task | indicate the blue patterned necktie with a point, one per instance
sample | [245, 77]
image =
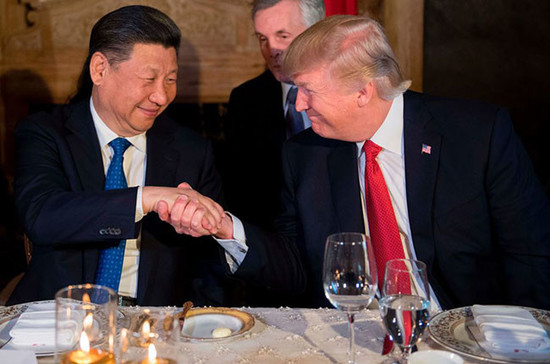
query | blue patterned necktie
[294, 120]
[110, 260]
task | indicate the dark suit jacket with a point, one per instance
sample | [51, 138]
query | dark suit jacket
[251, 164]
[478, 216]
[60, 199]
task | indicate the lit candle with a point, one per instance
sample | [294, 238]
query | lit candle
[152, 357]
[87, 355]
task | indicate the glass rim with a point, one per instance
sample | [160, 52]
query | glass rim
[340, 236]
[84, 287]
[420, 265]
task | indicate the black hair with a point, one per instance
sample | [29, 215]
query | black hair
[116, 33]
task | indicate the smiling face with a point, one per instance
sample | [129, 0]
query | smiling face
[129, 95]
[275, 28]
[332, 108]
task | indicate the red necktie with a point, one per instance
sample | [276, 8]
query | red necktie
[384, 233]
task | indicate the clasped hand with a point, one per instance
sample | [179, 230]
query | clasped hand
[186, 210]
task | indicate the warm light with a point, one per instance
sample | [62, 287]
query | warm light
[145, 330]
[84, 342]
[86, 298]
[88, 321]
[152, 353]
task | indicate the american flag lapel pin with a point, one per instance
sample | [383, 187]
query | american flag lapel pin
[426, 149]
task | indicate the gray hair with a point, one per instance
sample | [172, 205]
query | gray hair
[312, 10]
[354, 48]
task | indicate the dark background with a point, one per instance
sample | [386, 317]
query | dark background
[497, 51]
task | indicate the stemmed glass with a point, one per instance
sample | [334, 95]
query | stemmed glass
[349, 276]
[405, 303]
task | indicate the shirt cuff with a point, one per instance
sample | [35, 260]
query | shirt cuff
[139, 205]
[236, 248]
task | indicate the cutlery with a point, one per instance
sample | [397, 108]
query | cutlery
[180, 316]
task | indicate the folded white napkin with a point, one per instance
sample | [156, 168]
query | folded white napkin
[35, 329]
[510, 329]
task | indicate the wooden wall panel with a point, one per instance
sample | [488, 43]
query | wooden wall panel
[43, 44]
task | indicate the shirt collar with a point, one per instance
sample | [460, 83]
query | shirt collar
[106, 135]
[389, 135]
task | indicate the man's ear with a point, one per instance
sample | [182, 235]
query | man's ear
[365, 94]
[99, 64]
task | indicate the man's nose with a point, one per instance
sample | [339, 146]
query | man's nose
[159, 95]
[275, 52]
[301, 101]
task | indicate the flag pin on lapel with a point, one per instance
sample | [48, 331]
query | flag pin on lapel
[426, 149]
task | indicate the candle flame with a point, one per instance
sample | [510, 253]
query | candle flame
[145, 329]
[88, 321]
[86, 298]
[84, 342]
[152, 353]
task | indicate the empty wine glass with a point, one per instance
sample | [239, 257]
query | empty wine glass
[349, 276]
[405, 303]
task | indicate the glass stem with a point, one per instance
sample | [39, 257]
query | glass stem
[406, 351]
[351, 320]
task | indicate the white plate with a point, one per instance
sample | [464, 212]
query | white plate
[435, 356]
[200, 323]
[451, 329]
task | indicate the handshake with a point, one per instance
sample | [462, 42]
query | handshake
[188, 211]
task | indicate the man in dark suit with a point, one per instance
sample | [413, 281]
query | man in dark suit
[461, 190]
[128, 80]
[255, 125]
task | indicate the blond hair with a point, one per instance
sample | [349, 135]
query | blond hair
[355, 51]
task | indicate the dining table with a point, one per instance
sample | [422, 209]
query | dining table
[290, 335]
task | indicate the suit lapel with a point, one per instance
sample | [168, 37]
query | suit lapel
[85, 149]
[421, 166]
[345, 190]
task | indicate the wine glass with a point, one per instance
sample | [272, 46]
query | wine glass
[405, 303]
[349, 276]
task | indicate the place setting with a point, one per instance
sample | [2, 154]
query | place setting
[84, 325]
[494, 333]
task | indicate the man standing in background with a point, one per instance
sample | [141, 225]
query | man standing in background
[261, 115]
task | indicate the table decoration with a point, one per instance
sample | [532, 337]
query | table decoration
[85, 325]
[151, 337]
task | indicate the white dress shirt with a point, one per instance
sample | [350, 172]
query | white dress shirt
[391, 160]
[135, 159]
[392, 163]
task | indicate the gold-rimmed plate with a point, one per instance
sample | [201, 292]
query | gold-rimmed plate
[454, 328]
[204, 324]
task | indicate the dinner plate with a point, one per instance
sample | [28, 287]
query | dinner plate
[435, 356]
[200, 323]
[452, 329]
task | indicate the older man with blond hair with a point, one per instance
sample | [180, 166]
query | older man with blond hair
[445, 181]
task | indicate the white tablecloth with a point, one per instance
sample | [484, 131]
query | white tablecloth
[289, 335]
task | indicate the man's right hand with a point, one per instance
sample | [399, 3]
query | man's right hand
[185, 209]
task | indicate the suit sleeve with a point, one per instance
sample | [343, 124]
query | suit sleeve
[520, 215]
[50, 199]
